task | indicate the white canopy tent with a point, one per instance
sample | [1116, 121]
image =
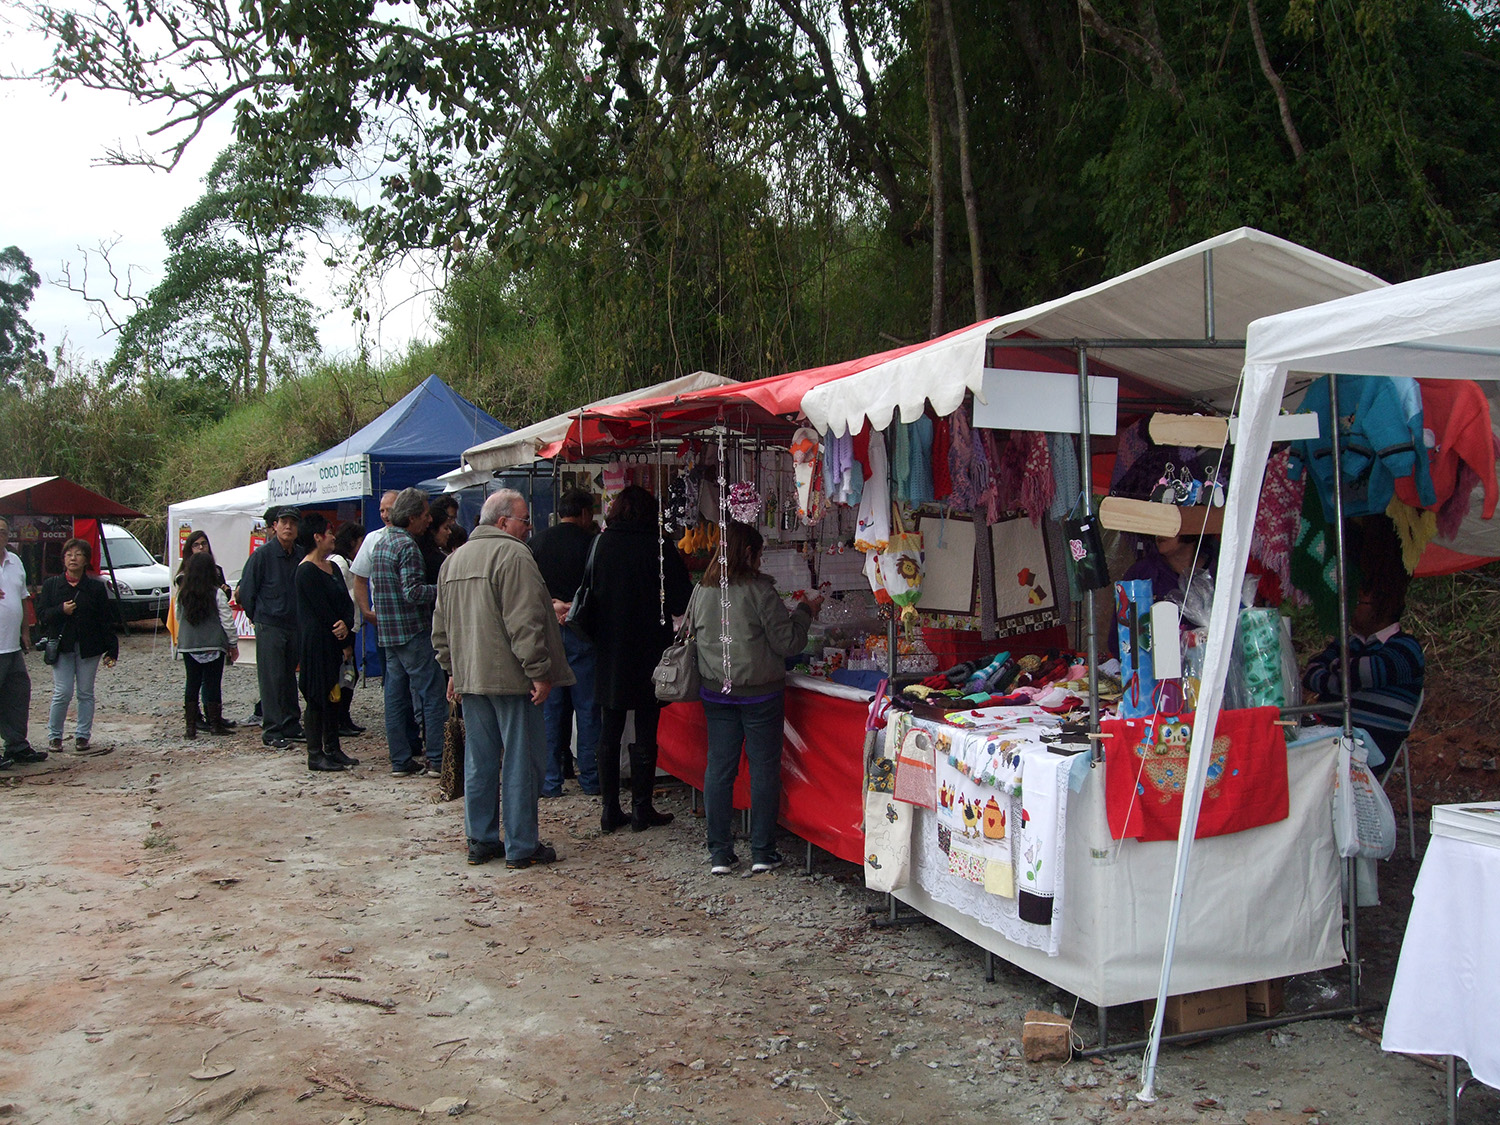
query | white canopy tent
[523, 446]
[1441, 327]
[227, 517]
[1254, 275]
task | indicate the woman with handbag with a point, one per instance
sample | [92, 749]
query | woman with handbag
[206, 637]
[325, 619]
[637, 584]
[74, 608]
[743, 692]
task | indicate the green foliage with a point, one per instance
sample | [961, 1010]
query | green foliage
[20, 344]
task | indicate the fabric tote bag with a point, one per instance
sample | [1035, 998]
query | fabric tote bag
[916, 773]
[452, 773]
[888, 822]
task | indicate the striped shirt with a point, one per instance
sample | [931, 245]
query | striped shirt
[1385, 683]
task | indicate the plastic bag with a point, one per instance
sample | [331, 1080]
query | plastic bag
[1364, 824]
[1258, 655]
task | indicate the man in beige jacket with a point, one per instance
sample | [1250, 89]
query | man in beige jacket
[495, 633]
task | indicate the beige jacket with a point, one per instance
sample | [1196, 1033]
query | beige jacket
[493, 625]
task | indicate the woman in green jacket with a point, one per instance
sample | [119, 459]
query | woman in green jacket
[742, 699]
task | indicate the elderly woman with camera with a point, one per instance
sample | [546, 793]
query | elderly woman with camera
[75, 613]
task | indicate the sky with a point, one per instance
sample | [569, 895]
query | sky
[58, 196]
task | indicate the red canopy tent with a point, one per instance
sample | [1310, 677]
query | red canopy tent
[57, 496]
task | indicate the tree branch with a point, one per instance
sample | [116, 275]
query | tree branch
[1277, 88]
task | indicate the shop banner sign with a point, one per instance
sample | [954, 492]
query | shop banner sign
[338, 479]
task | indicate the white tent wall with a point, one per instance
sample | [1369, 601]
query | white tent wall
[1441, 327]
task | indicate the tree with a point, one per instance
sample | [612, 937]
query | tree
[226, 319]
[20, 344]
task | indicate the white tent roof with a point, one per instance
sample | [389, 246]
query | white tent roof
[227, 517]
[1254, 275]
[520, 447]
[1441, 327]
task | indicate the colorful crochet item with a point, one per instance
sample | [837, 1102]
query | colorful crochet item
[1278, 518]
[807, 470]
[744, 503]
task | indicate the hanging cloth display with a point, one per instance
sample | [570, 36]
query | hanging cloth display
[1066, 481]
[1414, 528]
[1277, 518]
[901, 569]
[807, 469]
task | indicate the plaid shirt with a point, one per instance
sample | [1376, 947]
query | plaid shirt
[401, 600]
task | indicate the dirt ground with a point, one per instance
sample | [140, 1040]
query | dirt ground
[318, 941]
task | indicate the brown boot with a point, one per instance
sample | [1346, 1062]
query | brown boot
[215, 723]
[191, 718]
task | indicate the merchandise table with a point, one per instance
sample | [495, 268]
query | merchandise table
[822, 761]
[1445, 999]
[1259, 904]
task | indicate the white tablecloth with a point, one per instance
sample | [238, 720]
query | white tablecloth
[1446, 996]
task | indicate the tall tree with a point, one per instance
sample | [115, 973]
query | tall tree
[20, 344]
[227, 315]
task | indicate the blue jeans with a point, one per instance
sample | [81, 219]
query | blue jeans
[562, 704]
[414, 686]
[503, 761]
[755, 727]
[70, 670]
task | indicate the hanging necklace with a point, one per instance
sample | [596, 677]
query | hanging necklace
[661, 531]
[723, 564]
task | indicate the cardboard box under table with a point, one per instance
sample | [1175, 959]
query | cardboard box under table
[1259, 904]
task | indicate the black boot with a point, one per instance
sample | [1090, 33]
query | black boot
[642, 785]
[317, 760]
[335, 752]
[612, 816]
[191, 718]
[215, 723]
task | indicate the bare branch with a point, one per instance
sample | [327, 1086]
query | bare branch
[121, 289]
[1287, 125]
[1147, 49]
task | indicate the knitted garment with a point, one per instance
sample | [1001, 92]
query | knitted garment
[1011, 473]
[901, 461]
[1414, 528]
[1313, 562]
[987, 451]
[1067, 484]
[1037, 488]
[942, 480]
[918, 460]
[1278, 518]
[1131, 444]
[1456, 508]
[966, 462]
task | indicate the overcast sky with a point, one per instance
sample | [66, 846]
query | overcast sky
[57, 195]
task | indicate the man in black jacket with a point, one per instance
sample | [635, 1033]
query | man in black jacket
[561, 553]
[268, 596]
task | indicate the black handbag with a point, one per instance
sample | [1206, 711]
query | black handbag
[583, 617]
[51, 649]
[1087, 565]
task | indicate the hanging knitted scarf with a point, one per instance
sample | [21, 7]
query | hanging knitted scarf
[1414, 528]
[1278, 518]
[1066, 481]
[987, 453]
[1036, 476]
[1313, 562]
[966, 467]
[942, 479]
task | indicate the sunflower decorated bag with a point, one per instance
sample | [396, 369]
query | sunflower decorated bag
[901, 569]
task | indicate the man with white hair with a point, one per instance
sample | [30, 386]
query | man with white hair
[495, 632]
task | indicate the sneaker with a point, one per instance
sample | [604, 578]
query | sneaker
[482, 853]
[767, 863]
[545, 853]
[80, 745]
[551, 796]
[724, 864]
[55, 745]
[26, 755]
[431, 771]
[410, 769]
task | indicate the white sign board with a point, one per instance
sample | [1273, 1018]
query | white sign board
[1010, 399]
[343, 478]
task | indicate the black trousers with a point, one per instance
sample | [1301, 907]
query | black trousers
[276, 669]
[205, 678]
[15, 700]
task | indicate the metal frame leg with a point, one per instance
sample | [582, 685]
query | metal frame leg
[808, 866]
[1451, 1070]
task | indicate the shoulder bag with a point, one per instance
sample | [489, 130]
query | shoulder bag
[583, 617]
[51, 647]
[676, 677]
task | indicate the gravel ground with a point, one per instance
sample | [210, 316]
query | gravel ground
[171, 908]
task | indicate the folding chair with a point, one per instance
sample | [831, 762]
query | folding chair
[1403, 763]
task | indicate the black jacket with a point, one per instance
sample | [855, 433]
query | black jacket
[91, 625]
[630, 637]
[561, 553]
[268, 585]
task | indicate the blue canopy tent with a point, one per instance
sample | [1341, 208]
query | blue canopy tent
[417, 439]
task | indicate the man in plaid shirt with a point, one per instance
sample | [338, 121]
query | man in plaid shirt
[403, 607]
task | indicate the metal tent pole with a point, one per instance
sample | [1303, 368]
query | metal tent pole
[1086, 458]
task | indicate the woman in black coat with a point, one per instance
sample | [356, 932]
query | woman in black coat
[325, 631]
[75, 607]
[626, 589]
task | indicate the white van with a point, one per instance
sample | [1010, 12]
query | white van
[143, 583]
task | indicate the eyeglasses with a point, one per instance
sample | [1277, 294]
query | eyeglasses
[519, 519]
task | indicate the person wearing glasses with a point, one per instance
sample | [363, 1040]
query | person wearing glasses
[496, 634]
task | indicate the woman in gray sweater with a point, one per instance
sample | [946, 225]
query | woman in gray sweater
[742, 700]
[206, 637]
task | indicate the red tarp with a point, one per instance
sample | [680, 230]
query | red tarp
[56, 496]
[822, 766]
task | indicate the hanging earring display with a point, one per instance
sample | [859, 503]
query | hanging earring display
[661, 532]
[723, 565]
